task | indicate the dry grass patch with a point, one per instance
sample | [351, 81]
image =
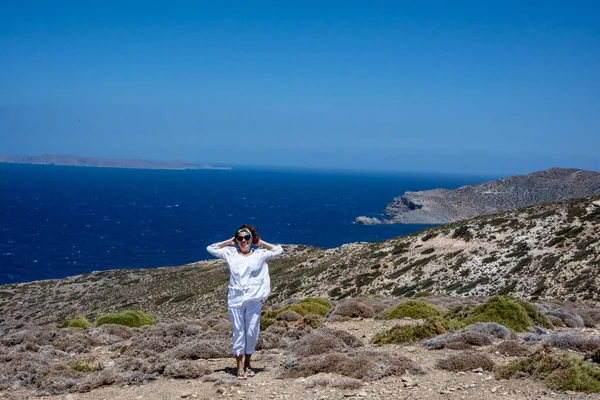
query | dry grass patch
[511, 348]
[466, 361]
[368, 366]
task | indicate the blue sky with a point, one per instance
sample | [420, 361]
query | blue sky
[497, 87]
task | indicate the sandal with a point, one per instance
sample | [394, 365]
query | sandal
[241, 375]
[248, 372]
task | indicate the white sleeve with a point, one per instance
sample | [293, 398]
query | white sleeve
[275, 252]
[220, 252]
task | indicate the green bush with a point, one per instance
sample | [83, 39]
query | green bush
[130, 318]
[310, 305]
[77, 322]
[560, 372]
[414, 309]
[537, 318]
[411, 333]
[503, 310]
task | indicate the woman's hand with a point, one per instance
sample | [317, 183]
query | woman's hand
[228, 242]
[265, 245]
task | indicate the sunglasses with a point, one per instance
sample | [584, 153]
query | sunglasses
[240, 238]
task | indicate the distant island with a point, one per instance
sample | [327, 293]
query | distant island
[442, 206]
[75, 161]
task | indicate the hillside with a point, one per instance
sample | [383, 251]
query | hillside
[441, 206]
[546, 251]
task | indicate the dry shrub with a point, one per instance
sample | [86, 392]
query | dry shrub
[556, 321]
[569, 319]
[493, 329]
[573, 341]
[344, 383]
[458, 346]
[185, 370]
[213, 320]
[339, 318]
[201, 349]
[281, 337]
[313, 320]
[458, 341]
[466, 361]
[348, 338]
[289, 316]
[360, 307]
[96, 380]
[112, 331]
[589, 318]
[318, 342]
[352, 308]
[222, 379]
[318, 382]
[511, 348]
[368, 366]
[563, 340]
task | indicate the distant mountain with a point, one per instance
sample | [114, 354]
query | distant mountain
[76, 161]
[549, 251]
[440, 206]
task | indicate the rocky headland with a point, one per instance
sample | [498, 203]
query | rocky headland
[76, 161]
[442, 206]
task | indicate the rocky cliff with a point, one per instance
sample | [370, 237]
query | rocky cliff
[441, 206]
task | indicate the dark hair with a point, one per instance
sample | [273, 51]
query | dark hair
[252, 230]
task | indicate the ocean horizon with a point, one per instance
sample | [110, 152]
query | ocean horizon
[59, 221]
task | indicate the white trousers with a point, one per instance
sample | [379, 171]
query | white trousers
[246, 326]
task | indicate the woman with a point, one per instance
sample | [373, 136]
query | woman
[249, 285]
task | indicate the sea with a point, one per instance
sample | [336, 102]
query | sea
[59, 221]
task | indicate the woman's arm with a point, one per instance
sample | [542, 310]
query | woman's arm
[273, 250]
[218, 249]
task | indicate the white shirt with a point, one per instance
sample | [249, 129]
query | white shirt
[248, 275]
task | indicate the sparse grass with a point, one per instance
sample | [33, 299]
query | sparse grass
[130, 318]
[77, 322]
[83, 366]
[414, 309]
[411, 333]
[311, 305]
[560, 372]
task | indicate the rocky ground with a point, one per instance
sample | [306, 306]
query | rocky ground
[266, 385]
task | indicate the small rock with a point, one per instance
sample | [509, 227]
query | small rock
[478, 369]
[494, 389]
[221, 390]
[461, 373]
[69, 397]
[185, 395]
[362, 394]
[444, 391]
[410, 349]
[406, 379]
